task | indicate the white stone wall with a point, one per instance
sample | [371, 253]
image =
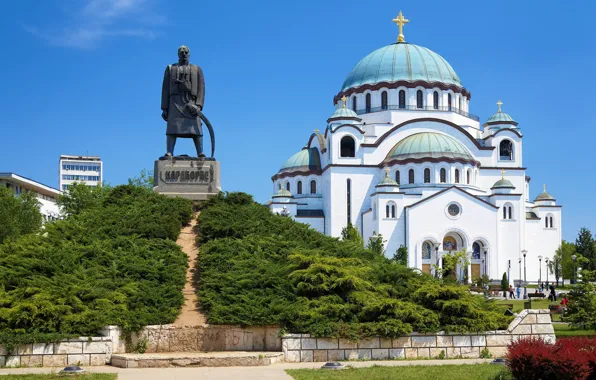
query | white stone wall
[304, 348]
[81, 351]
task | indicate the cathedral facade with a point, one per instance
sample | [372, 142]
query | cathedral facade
[402, 157]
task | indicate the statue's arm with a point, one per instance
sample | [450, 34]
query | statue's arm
[165, 90]
[201, 88]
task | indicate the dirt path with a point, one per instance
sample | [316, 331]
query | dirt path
[190, 315]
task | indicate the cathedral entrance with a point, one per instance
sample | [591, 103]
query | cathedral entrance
[454, 242]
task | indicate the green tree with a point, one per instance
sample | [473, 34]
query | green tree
[451, 262]
[555, 266]
[376, 245]
[350, 233]
[401, 255]
[80, 197]
[145, 179]
[586, 247]
[564, 253]
[19, 214]
[581, 310]
[504, 284]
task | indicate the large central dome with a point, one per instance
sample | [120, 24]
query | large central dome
[430, 145]
[402, 62]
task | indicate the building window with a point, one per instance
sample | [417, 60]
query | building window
[506, 150]
[449, 101]
[419, 100]
[468, 177]
[347, 147]
[436, 100]
[402, 99]
[354, 103]
[411, 176]
[427, 175]
[349, 200]
[508, 211]
[443, 175]
[453, 209]
[393, 213]
[548, 221]
[368, 106]
[390, 210]
[313, 187]
[426, 251]
[397, 177]
[475, 251]
[456, 175]
[279, 186]
[387, 209]
[299, 187]
[288, 186]
[384, 100]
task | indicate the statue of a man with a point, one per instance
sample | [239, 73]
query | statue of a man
[182, 96]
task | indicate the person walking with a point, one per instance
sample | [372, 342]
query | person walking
[553, 294]
[518, 291]
[511, 294]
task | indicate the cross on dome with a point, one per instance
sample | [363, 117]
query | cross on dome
[386, 172]
[502, 173]
[400, 20]
[499, 104]
[344, 100]
[317, 130]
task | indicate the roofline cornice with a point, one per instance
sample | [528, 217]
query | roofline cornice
[402, 83]
[504, 130]
[489, 123]
[430, 159]
[343, 118]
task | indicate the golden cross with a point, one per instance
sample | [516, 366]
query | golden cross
[400, 21]
[344, 100]
[545, 187]
[386, 172]
[502, 173]
[499, 103]
[317, 130]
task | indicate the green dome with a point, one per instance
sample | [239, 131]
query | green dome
[501, 118]
[305, 160]
[282, 193]
[503, 184]
[387, 181]
[544, 196]
[343, 113]
[401, 62]
[429, 145]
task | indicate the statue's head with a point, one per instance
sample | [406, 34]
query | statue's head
[183, 53]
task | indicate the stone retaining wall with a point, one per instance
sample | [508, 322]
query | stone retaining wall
[80, 351]
[304, 348]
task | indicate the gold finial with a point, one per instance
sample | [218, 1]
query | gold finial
[386, 172]
[499, 103]
[502, 173]
[400, 21]
[317, 130]
[343, 101]
[545, 187]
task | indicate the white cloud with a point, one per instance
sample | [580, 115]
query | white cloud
[101, 19]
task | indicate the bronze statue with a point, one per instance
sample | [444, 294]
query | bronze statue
[182, 96]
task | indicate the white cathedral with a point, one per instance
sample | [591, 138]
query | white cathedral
[403, 157]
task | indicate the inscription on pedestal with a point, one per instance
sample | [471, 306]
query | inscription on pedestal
[192, 178]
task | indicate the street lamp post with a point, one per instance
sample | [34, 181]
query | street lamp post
[524, 252]
[539, 270]
[574, 258]
[519, 284]
[546, 260]
[438, 261]
[509, 272]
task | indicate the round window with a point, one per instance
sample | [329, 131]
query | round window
[453, 210]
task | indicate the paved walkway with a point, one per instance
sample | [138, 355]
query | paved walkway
[272, 372]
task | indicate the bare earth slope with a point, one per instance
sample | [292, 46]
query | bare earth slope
[190, 315]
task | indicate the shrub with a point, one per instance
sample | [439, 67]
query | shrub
[568, 359]
[256, 268]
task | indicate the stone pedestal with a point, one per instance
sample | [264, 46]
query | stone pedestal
[187, 177]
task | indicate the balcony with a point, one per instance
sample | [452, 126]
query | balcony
[414, 108]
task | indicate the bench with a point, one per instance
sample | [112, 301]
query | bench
[536, 295]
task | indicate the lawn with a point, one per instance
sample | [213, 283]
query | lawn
[566, 330]
[90, 376]
[443, 372]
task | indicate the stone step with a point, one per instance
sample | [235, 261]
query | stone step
[196, 359]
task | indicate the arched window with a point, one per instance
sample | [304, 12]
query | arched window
[393, 213]
[397, 177]
[476, 251]
[436, 100]
[548, 221]
[347, 147]
[387, 211]
[368, 107]
[279, 186]
[551, 222]
[390, 210]
[426, 251]
[427, 175]
[506, 150]
[468, 174]
[508, 211]
[349, 200]
[456, 175]
[299, 187]
[354, 103]
[313, 186]
[411, 176]
[384, 100]
[449, 101]
[288, 186]
[419, 100]
[443, 175]
[402, 99]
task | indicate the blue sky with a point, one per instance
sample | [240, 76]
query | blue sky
[84, 77]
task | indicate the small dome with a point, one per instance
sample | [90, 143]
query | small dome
[503, 184]
[500, 117]
[282, 193]
[544, 196]
[305, 160]
[430, 145]
[401, 61]
[343, 113]
[387, 181]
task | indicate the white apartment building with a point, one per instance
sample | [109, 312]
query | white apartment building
[46, 195]
[82, 169]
